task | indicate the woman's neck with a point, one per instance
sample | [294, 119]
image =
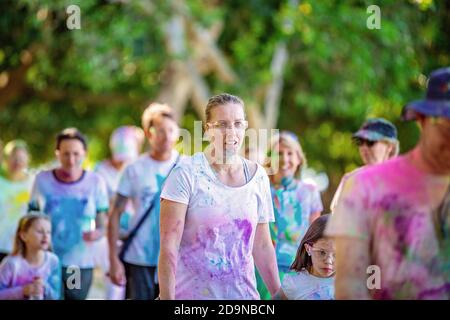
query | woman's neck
[224, 165]
[69, 175]
[35, 257]
[279, 181]
[16, 176]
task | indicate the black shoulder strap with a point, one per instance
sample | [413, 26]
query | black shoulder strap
[127, 242]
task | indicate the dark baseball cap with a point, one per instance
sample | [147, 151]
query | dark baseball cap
[437, 100]
[376, 129]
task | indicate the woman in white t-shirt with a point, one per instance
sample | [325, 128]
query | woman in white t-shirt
[215, 211]
[15, 187]
[313, 269]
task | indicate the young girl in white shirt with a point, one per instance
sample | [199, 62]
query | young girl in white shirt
[31, 272]
[312, 276]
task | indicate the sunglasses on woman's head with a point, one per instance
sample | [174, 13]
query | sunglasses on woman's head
[360, 142]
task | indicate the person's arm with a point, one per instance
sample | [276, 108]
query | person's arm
[336, 196]
[172, 220]
[352, 260]
[6, 275]
[102, 204]
[18, 292]
[279, 295]
[100, 223]
[265, 258]
[117, 271]
[350, 226]
[35, 195]
[100, 228]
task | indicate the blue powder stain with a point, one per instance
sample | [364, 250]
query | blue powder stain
[67, 220]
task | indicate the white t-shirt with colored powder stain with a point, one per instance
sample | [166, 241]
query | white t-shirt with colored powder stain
[72, 208]
[16, 272]
[141, 181]
[112, 178]
[293, 208]
[304, 286]
[14, 196]
[389, 206]
[215, 257]
[110, 174]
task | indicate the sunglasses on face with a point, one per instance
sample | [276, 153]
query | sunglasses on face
[360, 142]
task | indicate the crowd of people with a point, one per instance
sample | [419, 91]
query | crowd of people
[217, 225]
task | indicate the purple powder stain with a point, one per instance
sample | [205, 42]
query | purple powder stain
[219, 253]
[401, 225]
[246, 228]
[389, 202]
[409, 229]
[435, 293]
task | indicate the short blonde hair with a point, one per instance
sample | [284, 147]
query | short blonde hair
[14, 145]
[290, 140]
[153, 111]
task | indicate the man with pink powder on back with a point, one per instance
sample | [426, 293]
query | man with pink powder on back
[395, 216]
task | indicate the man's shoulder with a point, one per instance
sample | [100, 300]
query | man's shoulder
[92, 176]
[42, 177]
[137, 165]
[379, 172]
[44, 174]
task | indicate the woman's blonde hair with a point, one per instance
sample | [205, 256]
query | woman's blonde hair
[14, 145]
[395, 148]
[25, 223]
[290, 140]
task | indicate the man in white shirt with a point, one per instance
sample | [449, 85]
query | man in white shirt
[141, 182]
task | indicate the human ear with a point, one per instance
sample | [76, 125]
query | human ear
[308, 248]
[23, 236]
[421, 120]
[148, 133]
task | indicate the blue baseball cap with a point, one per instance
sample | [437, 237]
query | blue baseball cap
[376, 129]
[437, 100]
